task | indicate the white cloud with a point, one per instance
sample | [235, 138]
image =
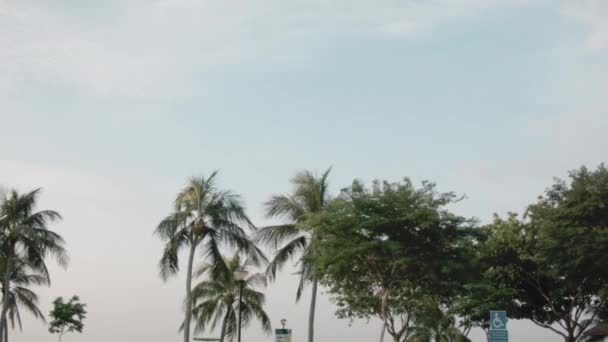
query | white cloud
[593, 14]
[58, 182]
[164, 48]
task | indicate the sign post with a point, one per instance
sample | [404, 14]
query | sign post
[283, 335]
[498, 326]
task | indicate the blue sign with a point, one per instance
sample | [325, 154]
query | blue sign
[498, 320]
[499, 336]
[498, 326]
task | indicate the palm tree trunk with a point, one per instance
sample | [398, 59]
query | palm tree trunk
[5, 295]
[311, 314]
[5, 330]
[224, 322]
[189, 290]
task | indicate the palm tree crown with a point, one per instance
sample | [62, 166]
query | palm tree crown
[19, 295]
[295, 238]
[216, 300]
[25, 242]
[433, 324]
[204, 215]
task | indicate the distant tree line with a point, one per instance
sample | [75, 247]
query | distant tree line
[392, 251]
[399, 253]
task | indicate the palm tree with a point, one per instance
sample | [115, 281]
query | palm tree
[216, 299]
[208, 217]
[295, 238]
[433, 324]
[20, 296]
[25, 240]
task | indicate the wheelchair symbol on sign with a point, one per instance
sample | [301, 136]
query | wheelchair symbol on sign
[497, 322]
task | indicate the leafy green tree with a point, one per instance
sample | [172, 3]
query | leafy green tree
[384, 248]
[19, 295]
[554, 259]
[362, 298]
[25, 239]
[475, 300]
[296, 238]
[209, 217]
[216, 300]
[67, 316]
[433, 323]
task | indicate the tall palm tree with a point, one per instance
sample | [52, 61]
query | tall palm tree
[20, 295]
[25, 239]
[208, 217]
[216, 299]
[295, 238]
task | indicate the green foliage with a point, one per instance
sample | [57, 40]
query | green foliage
[382, 249]
[554, 259]
[25, 244]
[476, 300]
[433, 323]
[67, 316]
[19, 295]
[209, 217]
[293, 240]
[480, 295]
[216, 300]
[205, 215]
[297, 238]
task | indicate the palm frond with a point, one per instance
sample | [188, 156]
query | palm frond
[273, 236]
[305, 274]
[213, 254]
[283, 205]
[223, 290]
[244, 246]
[29, 300]
[289, 251]
[168, 227]
[262, 316]
[169, 261]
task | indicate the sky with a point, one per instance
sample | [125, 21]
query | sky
[112, 105]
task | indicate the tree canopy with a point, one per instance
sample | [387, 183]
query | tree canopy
[25, 244]
[216, 300]
[383, 248]
[67, 316]
[554, 258]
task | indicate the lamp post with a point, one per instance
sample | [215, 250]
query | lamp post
[283, 323]
[240, 276]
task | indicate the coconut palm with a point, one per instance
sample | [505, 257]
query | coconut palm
[25, 240]
[20, 295]
[433, 324]
[208, 217]
[295, 238]
[216, 299]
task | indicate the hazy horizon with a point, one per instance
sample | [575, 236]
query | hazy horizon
[111, 106]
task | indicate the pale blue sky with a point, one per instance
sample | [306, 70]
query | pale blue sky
[111, 106]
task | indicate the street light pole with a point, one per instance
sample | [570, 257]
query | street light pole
[241, 277]
[240, 302]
